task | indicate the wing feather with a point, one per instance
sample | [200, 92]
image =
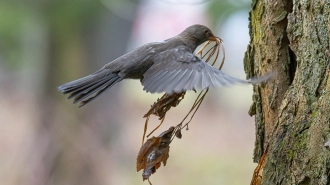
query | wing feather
[170, 88]
[155, 77]
[178, 70]
[183, 81]
[161, 86]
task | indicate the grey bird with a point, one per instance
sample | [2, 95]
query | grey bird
[169, 66]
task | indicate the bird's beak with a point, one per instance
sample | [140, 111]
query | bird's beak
[213, 38]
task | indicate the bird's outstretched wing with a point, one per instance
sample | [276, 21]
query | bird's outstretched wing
[178, 70]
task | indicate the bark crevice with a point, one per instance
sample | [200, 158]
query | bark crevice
[292, 65]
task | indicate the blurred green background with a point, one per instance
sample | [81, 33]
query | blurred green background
[45, 140]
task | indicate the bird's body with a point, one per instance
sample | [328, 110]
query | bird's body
[134, 64]
[169, 66]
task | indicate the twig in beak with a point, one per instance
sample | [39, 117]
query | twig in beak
[203, 47]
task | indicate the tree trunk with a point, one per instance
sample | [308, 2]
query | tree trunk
[292, 112]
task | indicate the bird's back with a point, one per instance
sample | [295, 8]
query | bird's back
[135, 63]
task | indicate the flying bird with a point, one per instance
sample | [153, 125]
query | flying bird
[169, 66]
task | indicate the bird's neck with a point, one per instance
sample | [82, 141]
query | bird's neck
[190, 42]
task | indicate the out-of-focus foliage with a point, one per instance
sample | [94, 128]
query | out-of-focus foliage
[220, 10]
[62, 18]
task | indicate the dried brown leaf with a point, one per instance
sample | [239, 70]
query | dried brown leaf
[154, 152]
[164, 104]
[178, 134]
[257, 174]
[160, 108]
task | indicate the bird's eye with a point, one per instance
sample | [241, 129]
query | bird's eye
[206, 31]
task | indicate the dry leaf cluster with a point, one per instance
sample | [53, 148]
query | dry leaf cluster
[153, 152]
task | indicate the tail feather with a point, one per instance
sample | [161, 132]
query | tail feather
[98, 93]
[74, 85]
[86, 93]
[85, 87]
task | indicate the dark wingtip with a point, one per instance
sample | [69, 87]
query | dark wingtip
[82, 104]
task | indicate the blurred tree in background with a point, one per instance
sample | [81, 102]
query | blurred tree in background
[42, 43]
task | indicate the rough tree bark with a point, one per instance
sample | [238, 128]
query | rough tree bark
[292, 113]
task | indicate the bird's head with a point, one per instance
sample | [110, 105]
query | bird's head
[198, 34]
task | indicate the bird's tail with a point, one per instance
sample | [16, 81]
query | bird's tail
[86, 89]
